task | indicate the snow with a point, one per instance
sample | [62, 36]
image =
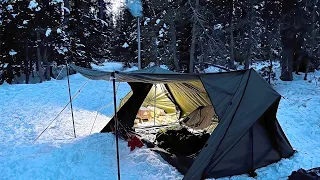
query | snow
[56, 1]
[57, 155]
[12, 52]
[26, 110]
[158, 21]
[9, 7]
[67, 10]
[164, 67]
[164, 25]
[217, 27]
[33, 4]
[80, 45]
[146, 21]
[48, 32]
[61, 50]
[125, 45]
[59, 30]
[212, 69]
[25, 21]
[161, 31]
[108, 66]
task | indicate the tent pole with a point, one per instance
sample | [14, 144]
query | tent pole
[154, 106]
[139, 43]
[70, 98]
[116, 120]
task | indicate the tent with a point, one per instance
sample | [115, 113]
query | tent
[248, 135]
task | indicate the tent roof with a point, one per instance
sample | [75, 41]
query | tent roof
[148, 75]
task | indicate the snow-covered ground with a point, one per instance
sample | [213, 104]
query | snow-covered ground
[26, 110]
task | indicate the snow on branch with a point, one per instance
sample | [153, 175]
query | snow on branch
[135, 7]
[34, 5]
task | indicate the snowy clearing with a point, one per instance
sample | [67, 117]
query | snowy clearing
[27, 109]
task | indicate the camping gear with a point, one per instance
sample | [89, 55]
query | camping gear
[134, 142]
[200, 118]
[181, 141]
[144, 113]
[301, 174]
[248, 135]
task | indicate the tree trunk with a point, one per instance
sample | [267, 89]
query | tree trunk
[231, 60]
[46, 64]
[66, 4]
[174, 41]
[101, 9]
[31, 67]
[39, 67]
[26, 61]
[193, 41]
[248, 56]
[312, 38]
[287, 59]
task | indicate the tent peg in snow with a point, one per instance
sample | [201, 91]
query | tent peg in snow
[241, 104]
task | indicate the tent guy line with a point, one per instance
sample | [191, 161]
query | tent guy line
[61, 111]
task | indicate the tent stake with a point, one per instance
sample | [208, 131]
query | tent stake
[70, 98]
[116, 120]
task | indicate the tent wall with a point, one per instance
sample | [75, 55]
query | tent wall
[128, 112]
[238, 107]
[162, 99]
[257, 148]
[189, 96]
[223, 88]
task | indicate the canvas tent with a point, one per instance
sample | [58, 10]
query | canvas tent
[248, 135]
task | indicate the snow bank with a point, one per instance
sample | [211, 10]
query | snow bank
[92, 157]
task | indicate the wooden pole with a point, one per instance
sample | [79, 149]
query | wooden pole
[116, 121]
[74, 128]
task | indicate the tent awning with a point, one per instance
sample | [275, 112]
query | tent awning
[149, 75]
